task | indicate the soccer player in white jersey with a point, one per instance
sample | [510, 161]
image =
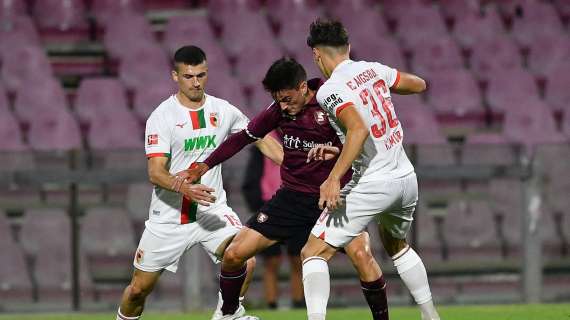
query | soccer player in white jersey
[383, 187]
[184, 129]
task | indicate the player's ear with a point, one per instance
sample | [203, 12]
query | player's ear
[174, 75]
[304, 88]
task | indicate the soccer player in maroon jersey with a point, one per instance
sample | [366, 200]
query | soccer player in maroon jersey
[293, 211]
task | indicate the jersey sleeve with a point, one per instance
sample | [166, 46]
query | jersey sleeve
[334, 99]
[390, 75]
[239, 120]
[157, 137]
[265, 122]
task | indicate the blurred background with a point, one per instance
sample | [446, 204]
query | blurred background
[489, 139]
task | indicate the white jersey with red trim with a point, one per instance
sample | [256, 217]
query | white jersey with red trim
[367, 85]
[185, 136]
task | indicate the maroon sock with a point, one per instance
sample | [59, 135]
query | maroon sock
[375, 294]
[230, 286]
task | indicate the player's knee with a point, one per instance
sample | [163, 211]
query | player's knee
[361, 256]
[136, 293]
[233, 258]
[251, 263]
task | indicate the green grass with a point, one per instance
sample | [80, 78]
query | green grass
[478, 312]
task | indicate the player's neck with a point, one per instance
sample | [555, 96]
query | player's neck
[184, 101]
[335, 61]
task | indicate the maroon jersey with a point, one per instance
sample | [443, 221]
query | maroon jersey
[300, 133]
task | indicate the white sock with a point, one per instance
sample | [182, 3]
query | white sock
[316, 284]
[120, 316]
[413, 273]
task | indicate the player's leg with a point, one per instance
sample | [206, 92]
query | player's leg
[371, 278]
[296, 281]
[245, 245]
[393, 227]
[134, 296]
[271, 262]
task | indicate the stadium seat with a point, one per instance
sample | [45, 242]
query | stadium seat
[21, 64]
[566, 125]
[563, 7]
[224, 86]
[109, 247]
[305, 58]
[427, 222]
[222, 11]
[17, 32]
[137, 203]
[418, 23]
[455, 92]
[47, 99]
[148, 98]
[10, 131]
[54, 132]
[394, 9]
[557, 93]
[104, 10]
[459, 10]
[508, 88]
[124, 33]
[547, 53]
[96, 96]
[293, 33]
[115, 131]
[488, 149]
[254, 61]
[276, 8]
[44, 229]
[15, 284]
[436, 56]
[147, 64]
[61, 20]
[13, 8]
[497, 53]
[189, 30]
[474, 27]
[260, 100]
[532, 14]
[470, 231]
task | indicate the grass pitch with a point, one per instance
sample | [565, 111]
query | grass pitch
[478, 312]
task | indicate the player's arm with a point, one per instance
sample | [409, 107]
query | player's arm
[159, 175]
[407, 83]
[356, 134]
[271, 148]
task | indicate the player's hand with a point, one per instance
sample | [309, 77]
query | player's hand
[330, 194]
[191, 175]
[198, 193]
[322, 153]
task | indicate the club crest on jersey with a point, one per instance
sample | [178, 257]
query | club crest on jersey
[320, 117]
[139, 256]
[262, 217]
[214, 119]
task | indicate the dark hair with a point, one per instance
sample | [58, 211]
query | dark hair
[285, 73]
[329, 33]
[190, 55]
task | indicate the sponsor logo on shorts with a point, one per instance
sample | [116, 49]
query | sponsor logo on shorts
[262, 217]
[139, 256]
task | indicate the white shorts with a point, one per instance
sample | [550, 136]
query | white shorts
[162, 244]
[391, 203]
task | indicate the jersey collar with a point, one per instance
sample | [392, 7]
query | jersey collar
[340, 65]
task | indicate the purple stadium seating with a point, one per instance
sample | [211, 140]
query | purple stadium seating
[293, 33]
[563, 7]
[115, 130]
[508, 88]
[459, 10]
[487, 149]
[254, 62]
[104, 10]
[222, 11]
[13, 8]
[394, 9]
[15, 284]
[124, 33]
[96, 96]
[419, 23]
[470, 231]
[436, 56]
[54, 132]
[224, 86]
[23, 64]
[11, 134]
[454, 92]
[305, 58]
[178, 29]
[276, 8]
[147, 64]
[109, 247]
[547, 53]
[533, 14]
[47, 99]
[497, 53]
[566, 124]
[426, 222]
[17, 32]
[61, 19]
[147, 98]
[474, 27]
[137, 204]
[557, 93]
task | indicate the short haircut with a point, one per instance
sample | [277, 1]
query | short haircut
[190, 55]
[285, 73]
[330, 33]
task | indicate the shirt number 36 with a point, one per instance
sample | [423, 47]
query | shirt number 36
[379, 87]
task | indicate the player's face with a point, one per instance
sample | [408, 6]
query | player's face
[292, 101]
[191, 80]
